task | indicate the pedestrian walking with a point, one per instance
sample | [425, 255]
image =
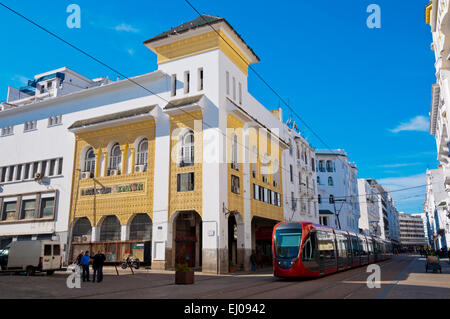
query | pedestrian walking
[85, 264]
[97, 266]
[253, 260]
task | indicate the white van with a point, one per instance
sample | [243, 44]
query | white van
[31, 256]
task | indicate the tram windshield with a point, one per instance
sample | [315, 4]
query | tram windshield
[287, 242]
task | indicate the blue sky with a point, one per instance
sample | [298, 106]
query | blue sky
[363, 90]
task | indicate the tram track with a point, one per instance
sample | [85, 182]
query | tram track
[309, 284]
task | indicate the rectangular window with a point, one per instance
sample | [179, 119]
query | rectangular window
[255, 192]
[11, 173]
[19, 172]
[240, 93]
[235, 185]
[185, 182]
[47, 250]
[187, 82]
[56, 250]
[174, 85]
[54, 120]
[60, 166]
[52, 168]
[266, 195]
[47, 207]
[43, 167]
[35, 169]
[9, 210]
[30, 126]
[200, 79]
[26, 174]
[234, 88]
[227, 82]
[28, 209]
[8, 130]
[3, 172]
[269, 196]
[291, 171]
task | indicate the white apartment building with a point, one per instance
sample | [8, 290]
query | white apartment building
[186, 167]
[300, 185]
[412, 231]
[437, 16]
[436, 209]
[337, 185]
[369, 203]
[37, 153]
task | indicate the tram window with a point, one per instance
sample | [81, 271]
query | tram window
[325, 244]
[355, 246]
[309, 248]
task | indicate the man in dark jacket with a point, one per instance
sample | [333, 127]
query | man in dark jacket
[97, 265]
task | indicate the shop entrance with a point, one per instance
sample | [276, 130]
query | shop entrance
[188, 239]
[262, 229]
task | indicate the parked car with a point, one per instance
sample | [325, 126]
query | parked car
[31, 256]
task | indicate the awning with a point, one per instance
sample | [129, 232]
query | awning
[326, 212]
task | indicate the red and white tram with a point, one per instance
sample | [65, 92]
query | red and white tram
[302, 249]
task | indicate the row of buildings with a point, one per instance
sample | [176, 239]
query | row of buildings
[179, 165]
[437, 203]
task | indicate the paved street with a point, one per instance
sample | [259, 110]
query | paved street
[402, 277]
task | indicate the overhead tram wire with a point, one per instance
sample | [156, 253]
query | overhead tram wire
[120, 73]
[263, 80]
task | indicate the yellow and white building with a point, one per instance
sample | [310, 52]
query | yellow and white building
[187, 166]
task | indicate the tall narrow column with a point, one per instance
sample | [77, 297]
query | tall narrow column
[133, 159]
[124, 158]
[98, 156]
[105, 163]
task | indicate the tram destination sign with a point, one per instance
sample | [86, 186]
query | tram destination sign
[112, 189]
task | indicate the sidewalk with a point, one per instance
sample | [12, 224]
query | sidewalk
[111, 270]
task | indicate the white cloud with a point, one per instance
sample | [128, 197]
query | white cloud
[400, 165]
[19, 78]
[419, 123]
[126, 28]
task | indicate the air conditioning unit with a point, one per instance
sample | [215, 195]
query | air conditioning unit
[76, 239]
[85, 238]
[86, 175]
[114, 172]
[38, 177]
[139, 168]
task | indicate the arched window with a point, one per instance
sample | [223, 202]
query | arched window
[82, 230]
[187, 149]
[318, 180]
[115, 158]
[141, 228]
[319, 199]
[110, 229]
[330, 181]
[234, 153]
[89, 161]
[331, 200]
[142, 154]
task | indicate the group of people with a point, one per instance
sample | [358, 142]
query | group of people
[98, 261]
